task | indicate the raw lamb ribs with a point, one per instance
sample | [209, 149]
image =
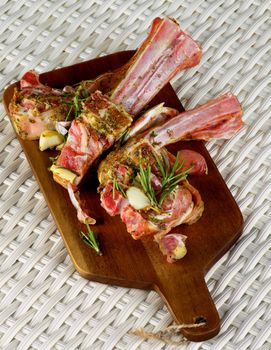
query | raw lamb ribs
[37, 107]
[105, 118]
[141, 181]
[122, 169]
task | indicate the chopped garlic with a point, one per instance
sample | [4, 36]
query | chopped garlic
[59, 147]
[173, 246]
[50, 139]
[65, 174]
[179, 252]
[137, 198]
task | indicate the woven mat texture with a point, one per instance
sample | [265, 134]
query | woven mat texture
[44, 303]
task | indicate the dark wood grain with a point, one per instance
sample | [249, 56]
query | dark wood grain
[139, 264]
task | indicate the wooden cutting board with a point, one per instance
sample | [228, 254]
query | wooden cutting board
[139, 264]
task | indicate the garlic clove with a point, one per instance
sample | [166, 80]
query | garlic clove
[50, 139]
[137, 198]
[64, 173]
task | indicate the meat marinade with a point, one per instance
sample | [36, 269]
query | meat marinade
[218, 118]
[106, 114]
[102, 112]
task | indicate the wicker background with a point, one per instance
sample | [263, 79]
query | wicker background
[44, 303]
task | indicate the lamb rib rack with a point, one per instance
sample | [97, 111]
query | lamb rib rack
[105, 118]
[36, 107]
[122, 169]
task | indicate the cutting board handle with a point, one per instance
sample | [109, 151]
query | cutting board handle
[190, 302]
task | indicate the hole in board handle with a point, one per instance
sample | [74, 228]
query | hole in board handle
[200, 319]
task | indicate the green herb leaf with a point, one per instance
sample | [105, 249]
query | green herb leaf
[76, 103]
[117, 187]
[90, 238]
[171, 177]
[69, 113]
[53, 159]
[145, 180]
[123, 138]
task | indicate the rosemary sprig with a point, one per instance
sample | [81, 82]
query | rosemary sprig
[171, 177]
[53, 159]
[90, 238]
[69, 112]
[145, 180]
[75, 104]
[117, 187]
[124, 137]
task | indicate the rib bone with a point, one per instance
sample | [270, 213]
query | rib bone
[219, 118]
[166, 51]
